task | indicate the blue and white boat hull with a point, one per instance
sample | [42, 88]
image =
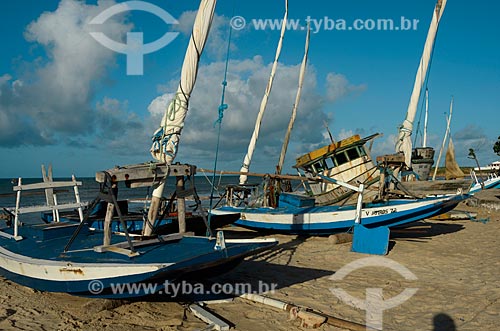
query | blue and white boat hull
[333, 219]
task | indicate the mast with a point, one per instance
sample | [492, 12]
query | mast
[424, 143]
[167, 137]
[444, 140]
[279, 167]
[255, 135]
[403, 143]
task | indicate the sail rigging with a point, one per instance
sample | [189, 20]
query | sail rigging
[404, 143]
[303, 65]
[255, 135]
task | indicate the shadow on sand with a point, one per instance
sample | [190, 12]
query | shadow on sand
[422, 232]
[257, 274]
[443, 322]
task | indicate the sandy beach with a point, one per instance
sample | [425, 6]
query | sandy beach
[456, 264]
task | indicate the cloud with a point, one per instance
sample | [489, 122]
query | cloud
[216, 46]
[53, 99]
[337, 86]
[247, 80]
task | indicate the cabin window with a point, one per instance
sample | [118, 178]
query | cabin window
[341, 158]
[362, 151]
[319, 166]
[330, 163]
[352, 153]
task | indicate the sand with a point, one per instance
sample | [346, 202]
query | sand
[456, 264]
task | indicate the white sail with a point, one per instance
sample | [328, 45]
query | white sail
[255, 135]
[404, 143]
[447, 132]
[166, 138]
[295, 105]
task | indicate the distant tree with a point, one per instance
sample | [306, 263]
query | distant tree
[496, 147]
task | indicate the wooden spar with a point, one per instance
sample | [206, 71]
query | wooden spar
[289, 177]
[263, 104]
[306, 314]
[284, 148]
[254, 174]
[448, 121]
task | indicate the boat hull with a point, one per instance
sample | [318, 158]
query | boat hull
[323, 220]
[43, 265]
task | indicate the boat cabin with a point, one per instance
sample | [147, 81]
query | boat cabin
[347, 160]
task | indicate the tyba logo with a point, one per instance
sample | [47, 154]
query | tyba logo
[134, 47]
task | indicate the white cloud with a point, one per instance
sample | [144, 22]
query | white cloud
[338, 86]
[56, 100]
[247, 80]
[216, 46]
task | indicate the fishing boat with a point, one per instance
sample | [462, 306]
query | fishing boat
[330, 205]
[71, 257]
[299, 215]
[494, 166]
[167, 222]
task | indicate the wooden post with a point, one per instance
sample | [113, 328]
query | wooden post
[56, 219]
[49, 193]
[107, 224]
[18, 202]
[381, 188]
[181, 205]
[153, 211]
[77, 197]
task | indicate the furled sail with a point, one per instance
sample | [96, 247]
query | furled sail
[166, 138]
[404, 143]
[295, 105]
[452, 170]
[255, 135]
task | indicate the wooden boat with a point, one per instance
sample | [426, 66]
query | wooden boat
[73, 258]
[40, 260]
[168, 223]
[299, 215]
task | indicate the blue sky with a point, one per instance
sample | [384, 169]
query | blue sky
[66, 100]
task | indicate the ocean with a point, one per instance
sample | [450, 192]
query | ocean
[90, 189]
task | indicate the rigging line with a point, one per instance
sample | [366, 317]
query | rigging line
[223, 106]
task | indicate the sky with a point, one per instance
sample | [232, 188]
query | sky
[67, 100]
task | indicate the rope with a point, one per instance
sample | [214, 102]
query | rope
[222, 107]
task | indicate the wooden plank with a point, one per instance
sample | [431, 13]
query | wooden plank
[38, 186]
[139, 243]
[144, 172]
[114, 249]
[208, 317]
[35, 209]
[47, 177]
